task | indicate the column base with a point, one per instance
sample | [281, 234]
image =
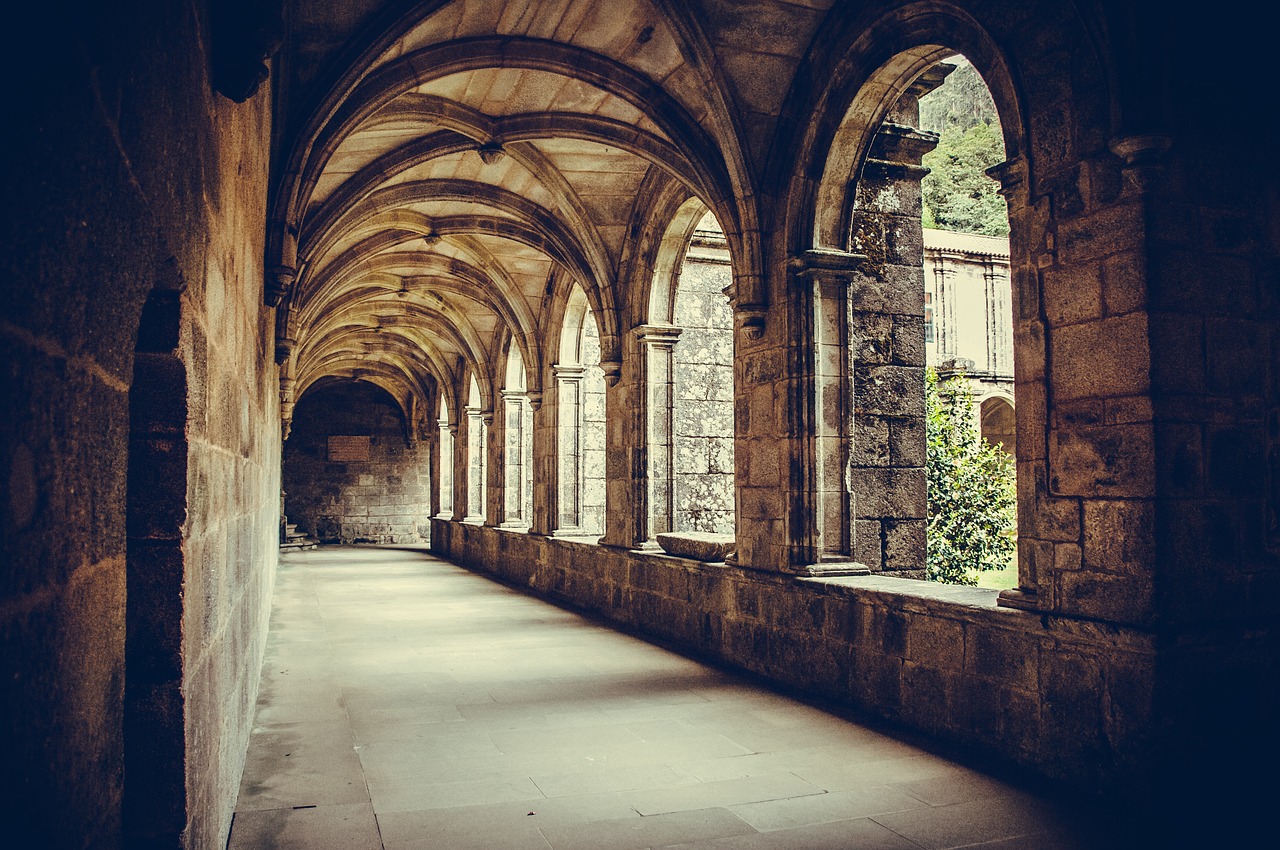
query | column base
[1018, 598]
[829, 569]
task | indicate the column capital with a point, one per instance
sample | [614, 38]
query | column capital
[612, 371]
[1140, 149]
[827, 263]
[658, 334]
[1011, 175]
[565, 372]
[899, 146]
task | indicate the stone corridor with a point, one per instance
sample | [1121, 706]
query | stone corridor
[407, 703]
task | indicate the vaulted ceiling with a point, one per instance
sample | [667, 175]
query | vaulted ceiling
[443, 192]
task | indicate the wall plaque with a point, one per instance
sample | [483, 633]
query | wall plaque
[347, 449]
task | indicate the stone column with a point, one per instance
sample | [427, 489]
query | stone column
[491, 471]
[545, 464]
[999, 321]
[656, 361]
[432, 436]
[625, 450]
[514, 459]
[568, 380]
[886, 343]
[446, 468]
[475, 466]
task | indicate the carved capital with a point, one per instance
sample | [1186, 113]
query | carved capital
[751, 319]
[277, 283]
[1142, 149]
[612, 371]
[1011, 175]
[284, 348]
[827, 262]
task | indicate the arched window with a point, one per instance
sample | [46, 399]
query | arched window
[897, 286]
[580, 404]
[477, 456]
[999, 428]
[702, 386]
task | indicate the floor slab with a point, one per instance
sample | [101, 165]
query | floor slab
[407, 703]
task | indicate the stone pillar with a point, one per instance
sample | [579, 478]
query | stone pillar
[447, 468]
[545, 463]
[832, 419]
[625, 450]
[461, 468]
[886, 343]
[999, 319]
[568, 380]
[432, 437]
[514, 459]
[656, 359]
[474, 460]
[491, 471]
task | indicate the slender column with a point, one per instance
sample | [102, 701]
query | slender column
[491, 468]
[473, 484]
[432, 436]
[446, 468]
[545, 464]
[826, 541]
[944, 310]
[568, 380]
[514, 459]
[657, 373]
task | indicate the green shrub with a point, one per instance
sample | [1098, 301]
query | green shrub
[972, 515]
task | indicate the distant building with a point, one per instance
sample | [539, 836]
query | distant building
[968, 315]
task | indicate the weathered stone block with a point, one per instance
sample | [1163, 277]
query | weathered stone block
[1072, 294]
[1111, 461]
[698, 545]
[898, 493]
[1119, 536]
[907, 442]
[904, 544]
[1105, 596]
[1120, 342]
[1124, 283]
[936, 642]
[1002, 655]
[889, 390]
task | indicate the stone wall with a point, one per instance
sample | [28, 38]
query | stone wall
[385, 499]
[702, 398]
[1070, 699]
[129, 182]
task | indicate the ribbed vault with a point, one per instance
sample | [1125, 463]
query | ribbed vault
[476, 163]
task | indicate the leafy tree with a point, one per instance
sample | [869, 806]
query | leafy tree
[962, 101]
[958, 195]
[972, 512]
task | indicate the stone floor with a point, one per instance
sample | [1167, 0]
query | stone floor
[409, 704]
